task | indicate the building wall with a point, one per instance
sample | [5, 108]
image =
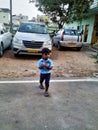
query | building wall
[95, 31]
[17, 19]
[90, 22]
[4, 17]
[83, 25]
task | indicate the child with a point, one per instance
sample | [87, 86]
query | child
[45, 64]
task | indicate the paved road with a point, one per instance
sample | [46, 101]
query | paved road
[72, 106]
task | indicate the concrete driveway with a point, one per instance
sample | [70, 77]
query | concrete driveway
[72, 106]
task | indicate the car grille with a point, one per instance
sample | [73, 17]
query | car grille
[33, 44]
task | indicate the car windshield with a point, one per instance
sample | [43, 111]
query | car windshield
[70, 32]
[32, 28]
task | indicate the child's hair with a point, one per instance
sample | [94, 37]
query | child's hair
[45, 51]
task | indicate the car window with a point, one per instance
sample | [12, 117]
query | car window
[4, 30]
[66, 32]
[70, 32]
[33, 28]
[73, 32]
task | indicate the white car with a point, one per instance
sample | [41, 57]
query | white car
[31, 38]
[68, 38]
[5, 39]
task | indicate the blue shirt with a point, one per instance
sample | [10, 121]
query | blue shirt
[44, 70]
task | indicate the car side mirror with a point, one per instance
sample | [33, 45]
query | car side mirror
[2, 32]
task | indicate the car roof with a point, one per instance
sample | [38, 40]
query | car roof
[34, 23]
[69, 29]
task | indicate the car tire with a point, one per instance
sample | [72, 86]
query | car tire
[59, 46]
[1, 50]
[16, 55]
[53, 43]
[10, 47]
[78, 48]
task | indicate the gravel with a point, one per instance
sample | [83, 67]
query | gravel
[67, 63]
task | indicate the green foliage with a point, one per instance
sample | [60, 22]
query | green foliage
[65, 10]
[52, 28]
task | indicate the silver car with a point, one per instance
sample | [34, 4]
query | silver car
[31, 38]
[5, 39]
[68, 38]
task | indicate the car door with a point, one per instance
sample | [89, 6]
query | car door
[6, 39]
[67, 36]
[57, 37]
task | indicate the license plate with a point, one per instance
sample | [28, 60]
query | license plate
[33, 51]
[72, 44]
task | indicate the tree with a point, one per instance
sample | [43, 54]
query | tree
[61, 11]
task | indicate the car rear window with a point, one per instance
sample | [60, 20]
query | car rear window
[33, 28]
[70, 32]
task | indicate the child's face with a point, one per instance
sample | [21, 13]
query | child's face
[46, 55]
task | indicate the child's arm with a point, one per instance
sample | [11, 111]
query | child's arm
[46, 66]
[42, 66]
[49, 67]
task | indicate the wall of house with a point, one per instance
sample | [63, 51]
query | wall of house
[84, 25]
[90, 22]
[4, 17]
[95, 31]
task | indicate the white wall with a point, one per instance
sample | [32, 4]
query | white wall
[4, 17]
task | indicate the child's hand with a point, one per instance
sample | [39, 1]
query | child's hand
[43, 65]
[46, 66]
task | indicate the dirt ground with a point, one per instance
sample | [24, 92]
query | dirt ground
[67, 63]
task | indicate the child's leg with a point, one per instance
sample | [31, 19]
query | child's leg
[41, 81]
[47, 80]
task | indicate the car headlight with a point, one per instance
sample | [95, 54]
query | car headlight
[48, 43]
[17, 41]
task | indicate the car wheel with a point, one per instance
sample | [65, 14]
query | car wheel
[1, 50]
[10, 47]
[78, 48]
[16, 55]
[53, 43]
[59, 47]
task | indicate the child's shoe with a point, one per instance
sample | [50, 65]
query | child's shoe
[41, 87]
[46, 94]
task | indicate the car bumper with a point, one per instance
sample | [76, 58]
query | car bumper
[71, 44]
[28, 51]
